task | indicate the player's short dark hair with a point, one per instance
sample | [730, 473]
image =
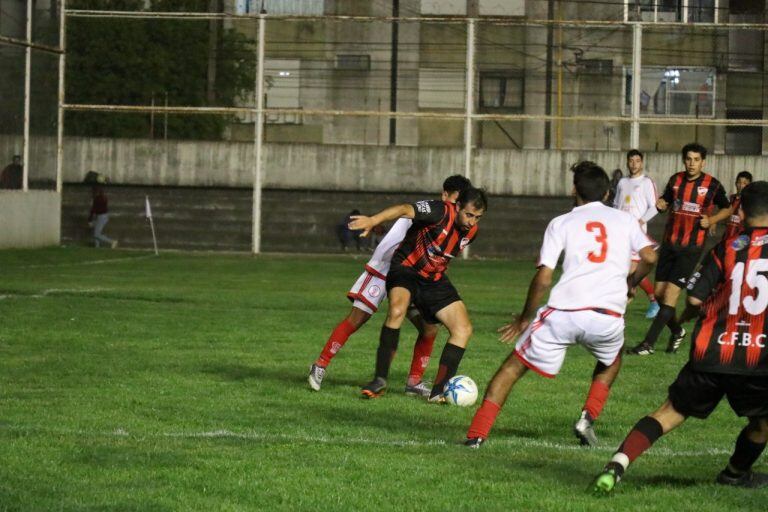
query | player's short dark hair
[696, 148]
[754, 199]
[591, 181]
[456, 183]
[635, 152]
[744, 174]
[474, 196]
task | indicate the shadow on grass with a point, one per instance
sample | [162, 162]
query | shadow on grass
[297, 376]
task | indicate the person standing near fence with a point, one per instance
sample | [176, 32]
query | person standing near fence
[99, 217]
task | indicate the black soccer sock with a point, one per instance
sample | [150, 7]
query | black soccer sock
[662, 319]
[672, 323]
[388, 341]
[449, 365]
[745, 454]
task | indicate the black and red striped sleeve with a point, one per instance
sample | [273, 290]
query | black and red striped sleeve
[428, 212]
[721, 199]
[669, 192]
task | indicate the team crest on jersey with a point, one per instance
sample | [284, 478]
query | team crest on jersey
[740, 242]
[423, 207]
[464, 242]
[703, 191]
[759, 241]
[374, 291]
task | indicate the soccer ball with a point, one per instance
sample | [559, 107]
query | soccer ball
[461, 391]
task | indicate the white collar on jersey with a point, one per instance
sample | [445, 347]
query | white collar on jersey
[591, 204]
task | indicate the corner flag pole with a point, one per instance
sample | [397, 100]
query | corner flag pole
[148, 214]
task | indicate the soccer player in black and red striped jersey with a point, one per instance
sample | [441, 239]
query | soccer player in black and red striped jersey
[687, 196]
[733, 226]
[439, 232]
[729, 353]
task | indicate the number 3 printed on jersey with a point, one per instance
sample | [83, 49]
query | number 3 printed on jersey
[601, 237]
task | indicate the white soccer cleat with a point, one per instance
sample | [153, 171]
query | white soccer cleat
[583, 430]
[316, 375]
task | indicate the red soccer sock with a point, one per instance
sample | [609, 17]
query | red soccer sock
[338, 338]
[484, 419]
[647, 287]
[421, 352]
[640, 438]
[598, 394]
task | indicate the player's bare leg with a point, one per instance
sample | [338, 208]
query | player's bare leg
[647, 287]
[399, 300]
[422, 350]
[642, 436]
[602, 379]
[510, 371]
[341, 333]
[456, 319]
[667, 294]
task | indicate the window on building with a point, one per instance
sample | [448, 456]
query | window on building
[687, 11]
[673, 91]
[501, 91]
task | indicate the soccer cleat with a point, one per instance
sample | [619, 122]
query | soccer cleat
[653, 310]
[583, 430]
[113, 245]
[749, 480]
[422, 389]
[642, 349]
[675, 341]
[474, 442]
[437, 399]
[375, 388]
[316, 375]
[606, 481]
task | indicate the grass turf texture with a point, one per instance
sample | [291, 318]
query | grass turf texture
[133, 382]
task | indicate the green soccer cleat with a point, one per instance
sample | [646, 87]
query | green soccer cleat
[605, 482]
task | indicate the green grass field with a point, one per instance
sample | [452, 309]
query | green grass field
[134, 382]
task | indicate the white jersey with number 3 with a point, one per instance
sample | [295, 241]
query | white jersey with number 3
[598, 242]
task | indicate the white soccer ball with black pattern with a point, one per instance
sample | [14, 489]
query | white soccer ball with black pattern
[461, 391]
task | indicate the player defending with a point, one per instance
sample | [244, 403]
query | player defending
[370, 290]
[439, 232]
[689, 194]
[636, 195]
[585, 307]
[733, 226]
[728, 356]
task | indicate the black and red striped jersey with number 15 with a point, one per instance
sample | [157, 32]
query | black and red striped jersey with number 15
[731, 336]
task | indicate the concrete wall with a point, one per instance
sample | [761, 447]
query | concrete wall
[29, 219]
[358, 168]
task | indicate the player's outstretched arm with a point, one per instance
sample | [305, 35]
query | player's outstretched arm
[536, 291]
[692, 310]
[361, 222]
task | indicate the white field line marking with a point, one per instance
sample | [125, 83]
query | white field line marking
[343, 440]
[53, 291]
[90, 262]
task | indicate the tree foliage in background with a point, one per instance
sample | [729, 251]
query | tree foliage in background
[116, 61]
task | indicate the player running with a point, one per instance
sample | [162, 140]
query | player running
[586, 306]
[728, 355]
[689, 194]
[370, 290]
[733, 226]
[636, 195]
[439, 232]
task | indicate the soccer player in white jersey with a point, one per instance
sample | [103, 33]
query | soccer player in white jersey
[636, 195]
[586, 306]
[370, 290]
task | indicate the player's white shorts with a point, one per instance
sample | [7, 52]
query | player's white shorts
[542, 346]
[368, 291]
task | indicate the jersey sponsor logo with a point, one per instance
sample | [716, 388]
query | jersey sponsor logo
[464, 242]
[703, 191]
[374, 291]
[740, 242]
[690, 207]
[759, 241]
[423, 207]
[741, 339]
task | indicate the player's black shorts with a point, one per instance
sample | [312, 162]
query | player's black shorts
[429, 297]
[696, 393]
[676, 264]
